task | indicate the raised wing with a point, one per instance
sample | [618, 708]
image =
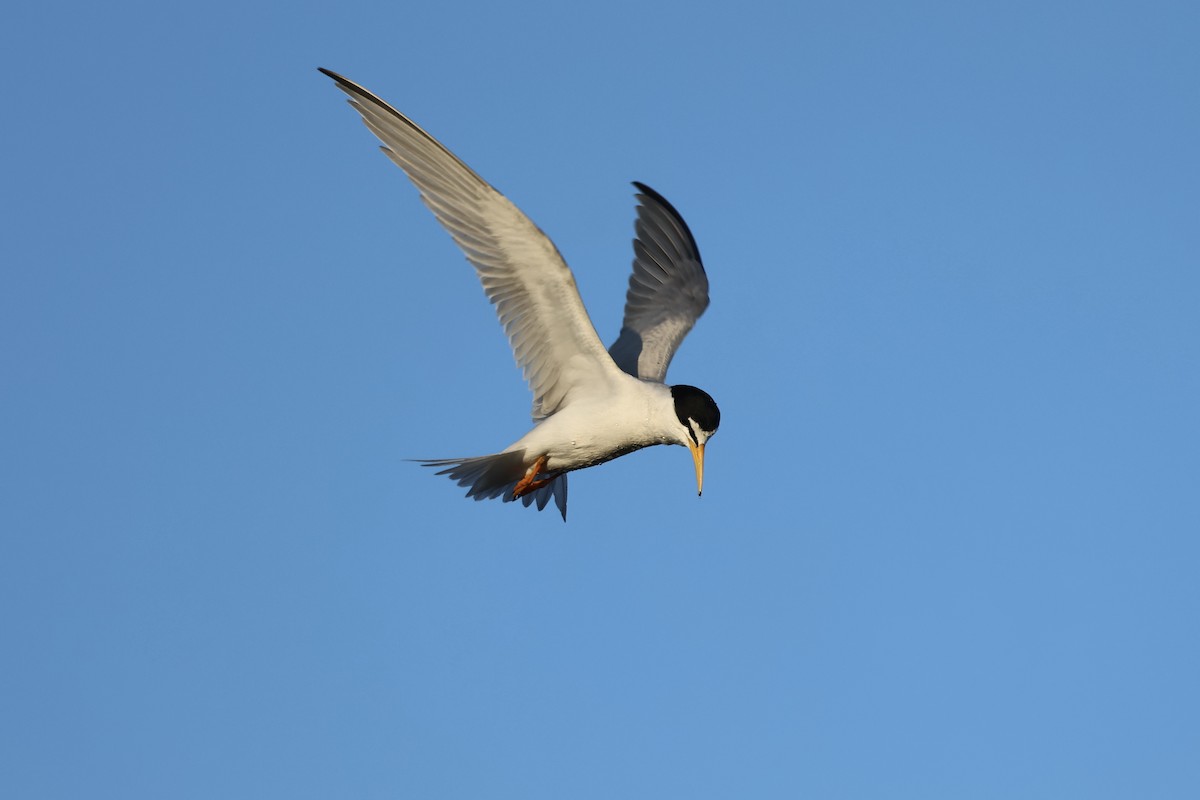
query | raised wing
[522, 272]
[668, 290]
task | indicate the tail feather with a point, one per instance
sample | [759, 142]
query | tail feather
[489, 477]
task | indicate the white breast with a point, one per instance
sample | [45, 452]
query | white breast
[587, 432]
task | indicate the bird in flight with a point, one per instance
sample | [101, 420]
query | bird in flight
[590, 405]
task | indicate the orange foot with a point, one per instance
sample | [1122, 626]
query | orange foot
[530, 483]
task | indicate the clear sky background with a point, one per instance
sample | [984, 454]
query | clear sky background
[949, 543]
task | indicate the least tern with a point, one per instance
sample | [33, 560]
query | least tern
[590, 405]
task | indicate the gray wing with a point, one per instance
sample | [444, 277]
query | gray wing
[522, 272]
[668, 290]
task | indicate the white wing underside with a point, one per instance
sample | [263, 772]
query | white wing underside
[668, 290]
[522, 272]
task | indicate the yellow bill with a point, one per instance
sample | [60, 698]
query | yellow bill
[698, 457]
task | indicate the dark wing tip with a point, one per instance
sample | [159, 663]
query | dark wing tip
[359, 94]
[653, 195]
[350, 87]
[341, 80]
[657, 198]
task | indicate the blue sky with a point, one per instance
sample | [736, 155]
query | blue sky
[948, 543]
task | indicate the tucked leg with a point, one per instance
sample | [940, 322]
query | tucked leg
[529, 483]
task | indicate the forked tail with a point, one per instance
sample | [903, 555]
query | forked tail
[489, 477]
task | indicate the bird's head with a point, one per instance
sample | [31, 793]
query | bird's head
[699, 417]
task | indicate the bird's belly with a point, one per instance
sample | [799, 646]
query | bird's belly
[580, 454]
[576, 443]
